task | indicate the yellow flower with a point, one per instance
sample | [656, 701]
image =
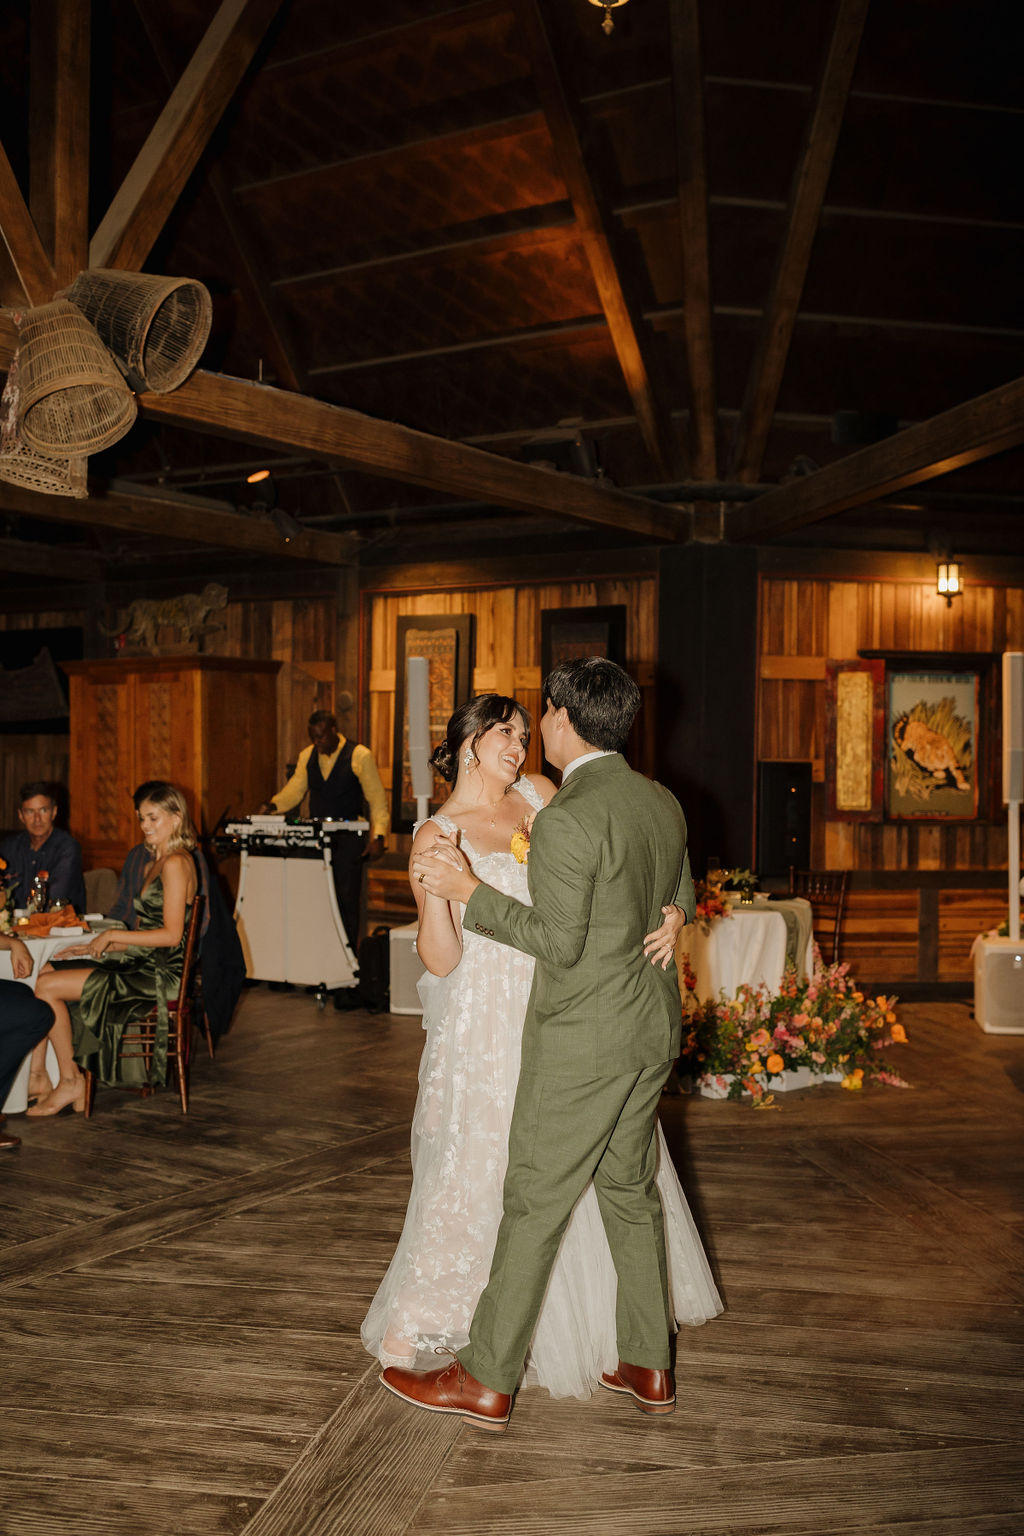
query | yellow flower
[755, 1064]
[858, 997]
[899, 1034]
[854, 1081]
[775, 1064]
[520, 847]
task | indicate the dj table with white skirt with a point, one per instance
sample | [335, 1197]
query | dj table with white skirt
[287, 910]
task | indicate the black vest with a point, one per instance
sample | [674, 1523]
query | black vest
[339, 797]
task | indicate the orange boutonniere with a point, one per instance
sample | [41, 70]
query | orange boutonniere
[520, 844]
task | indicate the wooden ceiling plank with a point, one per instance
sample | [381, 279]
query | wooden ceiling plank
[691, 161]
[989, 424]
[807, 196]
[30, 559]
[147, 195]
[29, 261]
[571, 162]
[257, 295]
[255, 413]
[181, 517]
[59, 58]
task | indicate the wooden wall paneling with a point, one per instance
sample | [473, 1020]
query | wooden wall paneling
[102, 813]
[234, 760]
[841, 642]
[963, 915]
[24, 758]
[880, 935]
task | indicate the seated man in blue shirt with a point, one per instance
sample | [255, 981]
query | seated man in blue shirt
[43, 849]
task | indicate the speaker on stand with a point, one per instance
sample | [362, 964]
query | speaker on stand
[999, 962]
[783, 817]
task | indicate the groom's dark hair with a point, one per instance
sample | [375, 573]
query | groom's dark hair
[600, 699]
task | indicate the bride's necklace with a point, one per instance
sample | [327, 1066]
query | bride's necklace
[493, 808]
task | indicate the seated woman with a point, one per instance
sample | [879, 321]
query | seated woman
[128, 971]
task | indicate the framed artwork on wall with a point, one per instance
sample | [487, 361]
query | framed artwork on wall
[933, 720]
[566, 633]
[855, 740]
[446, 641]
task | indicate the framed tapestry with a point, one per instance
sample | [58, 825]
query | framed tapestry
[855, 740]
[566, 633]
[446, 641]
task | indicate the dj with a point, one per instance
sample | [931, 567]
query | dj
[339, 776]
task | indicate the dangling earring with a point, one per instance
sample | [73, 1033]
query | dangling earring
[467, 758]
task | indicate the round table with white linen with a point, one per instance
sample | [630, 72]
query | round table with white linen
[749, 947]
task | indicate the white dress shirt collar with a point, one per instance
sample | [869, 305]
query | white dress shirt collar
[588, 757]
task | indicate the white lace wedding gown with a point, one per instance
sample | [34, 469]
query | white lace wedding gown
[468, 1073]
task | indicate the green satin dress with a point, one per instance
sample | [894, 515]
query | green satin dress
[122, 986]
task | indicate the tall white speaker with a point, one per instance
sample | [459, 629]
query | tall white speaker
[999, 962]
[1013, 726]
[417, 683]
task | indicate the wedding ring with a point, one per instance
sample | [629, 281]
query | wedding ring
[420, 877]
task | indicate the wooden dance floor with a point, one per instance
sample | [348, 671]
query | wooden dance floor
[181, 1300]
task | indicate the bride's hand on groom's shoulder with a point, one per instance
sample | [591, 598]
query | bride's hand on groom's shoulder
[660, 946]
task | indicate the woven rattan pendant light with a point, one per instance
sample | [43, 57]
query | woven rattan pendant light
[22, 465]
[73, 401]
[156, 327]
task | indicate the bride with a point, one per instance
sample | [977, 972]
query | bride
[474, 999]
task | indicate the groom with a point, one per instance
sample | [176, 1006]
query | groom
[601, 1033]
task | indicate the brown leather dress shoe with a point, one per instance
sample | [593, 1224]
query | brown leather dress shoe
[652, 1391]
[451, 1390]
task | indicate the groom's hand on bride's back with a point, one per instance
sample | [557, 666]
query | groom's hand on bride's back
[660, 946]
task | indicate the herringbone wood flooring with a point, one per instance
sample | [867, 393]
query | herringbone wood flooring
[182, 1296]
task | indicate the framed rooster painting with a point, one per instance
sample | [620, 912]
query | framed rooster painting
[933, 720]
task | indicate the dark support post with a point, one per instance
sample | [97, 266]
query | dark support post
[706, 693]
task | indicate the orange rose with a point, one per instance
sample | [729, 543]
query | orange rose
[898, 1034]
[775, 1065]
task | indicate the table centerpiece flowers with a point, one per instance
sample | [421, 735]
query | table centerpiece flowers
[822, 1029]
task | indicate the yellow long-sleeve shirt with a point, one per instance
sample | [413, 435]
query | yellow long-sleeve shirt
[365, 770]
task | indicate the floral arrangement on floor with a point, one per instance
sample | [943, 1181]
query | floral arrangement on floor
[823, 1024]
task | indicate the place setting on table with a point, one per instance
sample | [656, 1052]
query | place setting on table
[44, 934]
[742, 936]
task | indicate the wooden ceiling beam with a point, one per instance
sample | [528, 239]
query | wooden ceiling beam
[691, 166]
[30, 559]
[569, 155]
[147, 195]
[59, 57]
[190, 518]
[255, 413]
[805, 202]
[975, 430]
[30, 266]
[257, 295]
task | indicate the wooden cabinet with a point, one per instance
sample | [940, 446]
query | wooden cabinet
[205, 723]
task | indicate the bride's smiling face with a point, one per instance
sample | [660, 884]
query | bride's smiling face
[501, 751]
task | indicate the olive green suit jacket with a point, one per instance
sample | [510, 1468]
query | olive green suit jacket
[605, 856]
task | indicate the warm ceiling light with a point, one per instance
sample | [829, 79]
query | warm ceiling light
[949, 582]
[256, 476]
[608, 26]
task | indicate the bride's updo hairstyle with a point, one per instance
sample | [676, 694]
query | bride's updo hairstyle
[470, 722]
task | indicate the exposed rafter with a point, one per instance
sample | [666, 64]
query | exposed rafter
[29, 262]
[688, 108]
[257, 294]
[30, 559]
[181, 517]
[975, 430]
[589, 218]
[142, 204]
[59, 132]
[806, 198]
[255, 413]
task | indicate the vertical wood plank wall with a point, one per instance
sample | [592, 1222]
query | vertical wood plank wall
[803, 623]
[28, 756]
[507, 646]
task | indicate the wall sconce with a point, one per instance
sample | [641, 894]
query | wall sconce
[949, 581]
[608, 25]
